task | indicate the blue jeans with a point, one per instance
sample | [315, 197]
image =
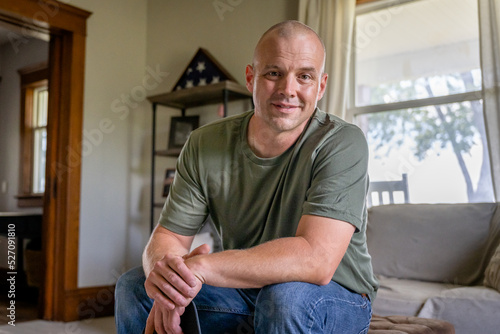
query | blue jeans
[290, 308]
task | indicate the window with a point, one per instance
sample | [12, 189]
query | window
[416, 93]
[34, 107]
[39, 127]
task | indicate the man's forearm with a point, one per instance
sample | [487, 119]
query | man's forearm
[311, 256]
[278, 261]
[269, 263]
[161, 243]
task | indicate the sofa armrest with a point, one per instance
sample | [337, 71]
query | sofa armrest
[469, 309]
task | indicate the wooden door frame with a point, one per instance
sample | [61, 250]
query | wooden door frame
[60, 297]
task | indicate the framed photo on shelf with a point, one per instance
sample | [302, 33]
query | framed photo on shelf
[180, 129]
[169, 178]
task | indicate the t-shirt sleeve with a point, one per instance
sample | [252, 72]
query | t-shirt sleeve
[339, 181]
[185, 209]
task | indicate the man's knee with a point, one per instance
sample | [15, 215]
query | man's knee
[130, 285]
[281, 299]
[132, 304]
[298, 307]
[281, 307]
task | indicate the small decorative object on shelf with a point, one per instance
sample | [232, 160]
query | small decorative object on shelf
[180, 129]
[203, 69]
[169, 178]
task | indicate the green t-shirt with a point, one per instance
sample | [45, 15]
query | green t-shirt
[252, 200]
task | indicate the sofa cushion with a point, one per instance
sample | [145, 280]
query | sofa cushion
[408, 325]
[469, 309]
[492, 272]
[404, 297]
[430, 242]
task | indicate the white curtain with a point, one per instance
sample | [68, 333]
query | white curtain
[333, 20]
[489, 18]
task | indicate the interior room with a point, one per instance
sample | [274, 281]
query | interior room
[95, 105]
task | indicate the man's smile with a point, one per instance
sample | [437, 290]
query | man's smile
[285, 107]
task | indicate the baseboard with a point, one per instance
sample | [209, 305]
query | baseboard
[90, 303]
[81, 303]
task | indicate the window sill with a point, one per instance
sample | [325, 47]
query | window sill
[30, 200]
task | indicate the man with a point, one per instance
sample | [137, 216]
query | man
[285, 186]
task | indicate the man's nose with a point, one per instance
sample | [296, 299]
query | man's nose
[288, 86]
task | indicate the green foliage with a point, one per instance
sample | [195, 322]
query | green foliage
[425, 128]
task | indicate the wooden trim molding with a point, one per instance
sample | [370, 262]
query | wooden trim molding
[29, 201]
[60, 227]
[90, 303]
[44, 15]
[34, 73]
[359, 2]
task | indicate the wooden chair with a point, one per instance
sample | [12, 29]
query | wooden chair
[390, 187]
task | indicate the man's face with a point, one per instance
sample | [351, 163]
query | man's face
[287, 81]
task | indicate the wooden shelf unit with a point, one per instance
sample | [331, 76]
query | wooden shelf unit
[221, 92]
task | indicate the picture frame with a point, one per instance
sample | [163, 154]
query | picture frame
[169, 178]
[180, 129]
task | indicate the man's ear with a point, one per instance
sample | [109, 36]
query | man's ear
[322, 85]
[249, 75]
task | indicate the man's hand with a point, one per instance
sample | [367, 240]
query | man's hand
[173, 286]
[171, 283]
[164, 321]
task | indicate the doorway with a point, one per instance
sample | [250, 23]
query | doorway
[23, 71]
[66, 25]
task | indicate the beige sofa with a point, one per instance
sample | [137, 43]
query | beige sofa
[431, 261]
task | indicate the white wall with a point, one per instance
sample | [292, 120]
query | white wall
[127, 41]
[114, 69]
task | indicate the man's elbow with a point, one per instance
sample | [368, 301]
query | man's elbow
[324, 279]
[322, 274]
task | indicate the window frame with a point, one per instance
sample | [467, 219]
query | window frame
[31, 78]
[353, 111]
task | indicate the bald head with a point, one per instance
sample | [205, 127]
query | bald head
[288, 30]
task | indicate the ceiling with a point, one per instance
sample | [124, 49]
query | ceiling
[11, 32]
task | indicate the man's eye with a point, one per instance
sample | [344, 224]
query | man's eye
[273, 74]
[305, 77]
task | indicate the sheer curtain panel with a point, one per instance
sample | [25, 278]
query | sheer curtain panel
[489, 16]
[333, 20]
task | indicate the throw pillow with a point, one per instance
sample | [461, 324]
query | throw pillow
[492, 272]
